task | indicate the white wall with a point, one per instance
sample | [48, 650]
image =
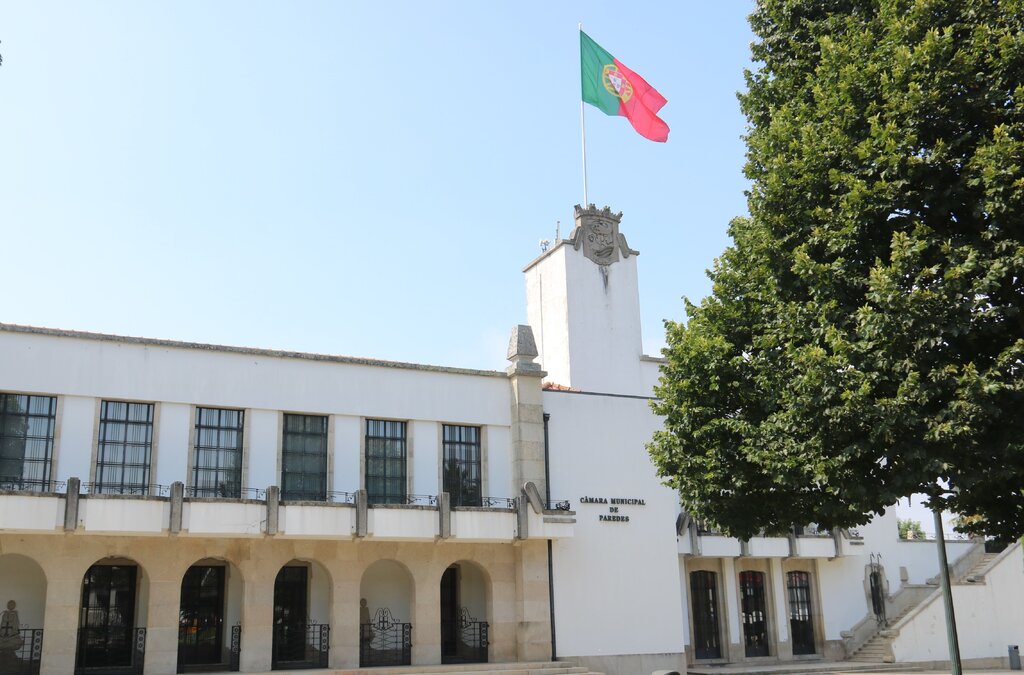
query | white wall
[264, 435]
[348, 433]
[989, 617]
[612, 574]
[423, 441]
[386, 583]
[170, 461]
[76, 429]
[498, 458]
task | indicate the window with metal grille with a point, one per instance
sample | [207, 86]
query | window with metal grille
[461, 470]
[217, 458]
[801, 626]
[26, 441]
[385, 462]
[304, 458]
[125, 448]
[754, 613]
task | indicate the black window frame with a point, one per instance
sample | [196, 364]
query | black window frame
[304, 457]
[108, 447]
[462, 464]
[802, 635]
[706, 608]
[20, 419]
[386, 461]
[211, 421]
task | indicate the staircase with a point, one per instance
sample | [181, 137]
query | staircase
[879, 648]
[974, 575]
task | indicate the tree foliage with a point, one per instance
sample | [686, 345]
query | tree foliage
[865, 338]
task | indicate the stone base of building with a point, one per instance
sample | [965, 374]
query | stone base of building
[632, 664]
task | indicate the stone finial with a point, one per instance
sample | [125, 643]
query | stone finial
[597, 233]
[522, 350]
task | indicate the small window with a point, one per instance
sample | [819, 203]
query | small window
[461, 469]
[385, 462]
[217, 458]
[125, 448]
[304, 458]
[26, 441]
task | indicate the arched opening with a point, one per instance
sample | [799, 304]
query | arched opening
[801, 624]
[385, 607]
[114, 598]
[302, 603]
[754, 613]
[209, 628]
[465, 591]
[22, 605]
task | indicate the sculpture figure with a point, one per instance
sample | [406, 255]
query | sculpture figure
[10, 629]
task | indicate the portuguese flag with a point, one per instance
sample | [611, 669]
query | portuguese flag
[617, 90]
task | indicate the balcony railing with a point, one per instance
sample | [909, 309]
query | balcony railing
[32, 485]
[468, 642]
[130, 490]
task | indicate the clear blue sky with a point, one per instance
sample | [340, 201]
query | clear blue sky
[364, 179]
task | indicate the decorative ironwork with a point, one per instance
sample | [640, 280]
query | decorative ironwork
[875, 582]
[470, 645]
[385, 641]
[21, 652]
[93, 662]
[31, 485]
[499, 502]
[427, 500]
[235, 650]
[107, 638]
[560, 505]
[200, 618]
[131, 490]
[300, 646]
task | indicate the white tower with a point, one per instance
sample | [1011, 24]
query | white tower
[583, 303]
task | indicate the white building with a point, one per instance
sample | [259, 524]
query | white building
[169, 507]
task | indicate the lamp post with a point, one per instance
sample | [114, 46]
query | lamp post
[947, 597]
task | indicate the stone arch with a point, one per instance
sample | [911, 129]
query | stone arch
[23, 580]
[112, 613]
[465, 612]
[389, 584]
[210, 613]
[302, 606]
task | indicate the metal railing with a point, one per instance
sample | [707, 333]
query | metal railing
[225, 492]
[193, 654]
[385, 641]
[32, 485]
[110, 649]
[559, 505]
[315, 496]
[153, 490]
[21, 651]
[300, 646]
[498, 502]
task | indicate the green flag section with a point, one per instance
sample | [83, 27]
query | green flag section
[616, 90]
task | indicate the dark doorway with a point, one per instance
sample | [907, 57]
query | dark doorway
[464, 638]
[704, 596]
[801, 625]
[106, 623]
[290, 616]
[449, 613]
[201, 619]
[755, 614]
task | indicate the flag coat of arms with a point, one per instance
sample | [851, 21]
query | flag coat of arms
[616, 90]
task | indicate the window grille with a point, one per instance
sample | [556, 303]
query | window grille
[217, 459]
[304, 458]
[125, 448]
[385, 462]
[798, 585]
[26, 441]
[461, 470]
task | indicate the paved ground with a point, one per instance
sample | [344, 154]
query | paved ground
[834, 668]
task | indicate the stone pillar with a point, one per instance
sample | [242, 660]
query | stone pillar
[258, 613]
[346, 575]
[730, 609]
[426, 616]
[527, 433]
[533, 617]
[60, 622]
[161, 611]
[784, 648]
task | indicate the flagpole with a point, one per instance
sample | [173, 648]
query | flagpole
[583, 135]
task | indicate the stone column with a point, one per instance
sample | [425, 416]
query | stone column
[60, 622]
[730, 608]
[161, 613]
[533, 633]
[527, 432]
[426, 615]
[346, 575]
[258, 613]
[783, 648]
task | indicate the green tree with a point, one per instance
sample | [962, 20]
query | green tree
[864, 339]
[909, 529]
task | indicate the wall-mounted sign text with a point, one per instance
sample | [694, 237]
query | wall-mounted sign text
[613, 515]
